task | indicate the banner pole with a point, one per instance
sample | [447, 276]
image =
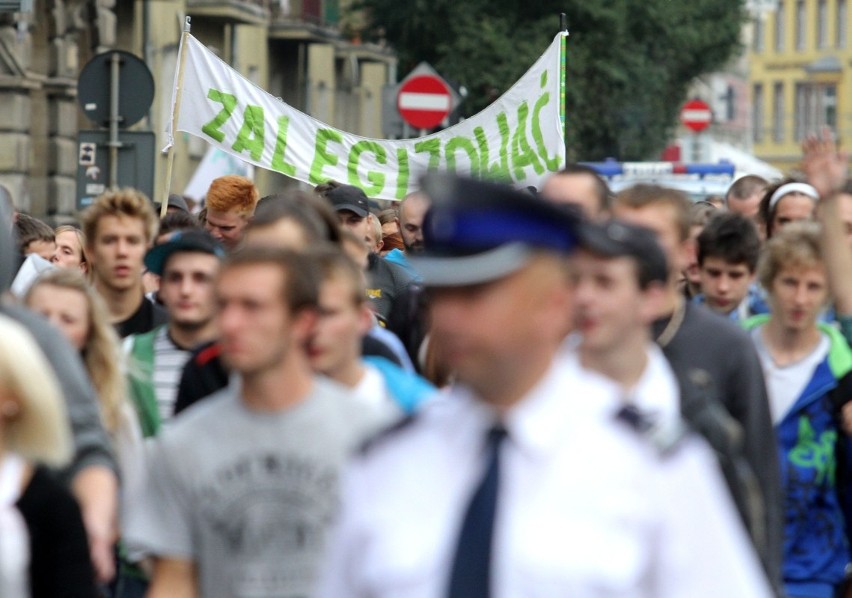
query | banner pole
[170, 159]
[563, 59]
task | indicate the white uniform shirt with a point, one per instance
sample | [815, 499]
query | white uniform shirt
[586, 507]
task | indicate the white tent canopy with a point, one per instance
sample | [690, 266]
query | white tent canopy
[744, 162]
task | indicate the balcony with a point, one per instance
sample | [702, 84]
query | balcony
[249, 12]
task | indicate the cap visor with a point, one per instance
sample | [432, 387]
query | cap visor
[438, 271]
[352, 208]
[596, 240]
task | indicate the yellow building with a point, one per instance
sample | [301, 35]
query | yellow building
[800, 76]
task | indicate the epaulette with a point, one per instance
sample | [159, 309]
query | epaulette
[665, 439]
[386, 433]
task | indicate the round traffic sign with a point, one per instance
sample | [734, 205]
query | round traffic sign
[424, 101]
[696, 115]
[135, 88]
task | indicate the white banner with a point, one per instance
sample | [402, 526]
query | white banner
[518, 138]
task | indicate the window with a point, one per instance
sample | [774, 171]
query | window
[822, 24]
[779, 27]
[801, 24]
[757, 112]
[816, 107]
[840, 31]
[778, 116]
[759, 34]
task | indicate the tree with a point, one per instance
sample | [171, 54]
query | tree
[630, 62]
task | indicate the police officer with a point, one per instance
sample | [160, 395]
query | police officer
[521, 481]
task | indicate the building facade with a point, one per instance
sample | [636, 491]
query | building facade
[800, 76]
[306, 52]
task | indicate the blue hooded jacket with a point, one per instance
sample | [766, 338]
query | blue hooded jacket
[816, 548]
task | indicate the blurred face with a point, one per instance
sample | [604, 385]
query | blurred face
[724, 285]
[797, 296]
[574, 189]
[225, 226]
[485, 332]
[336, 341]
[44, 249]
[747, 207]
[186, 288]
[411, 214]
[116, 252]
[792, 208]
[357, 224]
[389, 228]
[609, 306]
[69, 252]
[662, 219]
[67, 309]
[255, 324]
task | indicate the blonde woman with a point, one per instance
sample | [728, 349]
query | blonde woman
[70, 303]
[69, 253]
[43, 549]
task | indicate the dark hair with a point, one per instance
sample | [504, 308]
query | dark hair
[602, 191]
[323, 188]
[745, 187]
[29, 229]
[334, 263]
[314, 216]
[731, 237]
[177, 220]
[300, 274]
[767, 212]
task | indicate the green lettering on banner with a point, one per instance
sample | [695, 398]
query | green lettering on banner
[433, 148]
[554, 162]
[376, 178]
[250, 136]
[229, 102]
[321, 156]
[402, 174]
[278, 162]
[465, 145]
[522, 153]
[499, 170]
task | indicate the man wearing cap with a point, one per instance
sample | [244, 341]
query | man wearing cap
[386, 281]
[187, 265]
[521, 481]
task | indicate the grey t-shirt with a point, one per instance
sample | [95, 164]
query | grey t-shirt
[249, 496]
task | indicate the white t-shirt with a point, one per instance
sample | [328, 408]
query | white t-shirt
[785, 384]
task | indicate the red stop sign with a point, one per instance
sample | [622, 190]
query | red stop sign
[424, 101]
[696, 115]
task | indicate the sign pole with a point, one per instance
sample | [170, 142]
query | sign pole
[563, 63]
[170, 159]
[114, 118]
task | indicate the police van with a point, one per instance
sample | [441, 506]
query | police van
[697, 180]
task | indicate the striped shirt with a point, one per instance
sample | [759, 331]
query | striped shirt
[169, 360]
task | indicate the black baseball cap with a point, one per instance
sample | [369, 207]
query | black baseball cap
[184, 240]
[616, 238]
[349, 197]
[478, 231]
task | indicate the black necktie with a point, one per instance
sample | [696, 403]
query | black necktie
[471, 573]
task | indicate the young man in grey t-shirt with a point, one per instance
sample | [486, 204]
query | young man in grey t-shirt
[242, 488]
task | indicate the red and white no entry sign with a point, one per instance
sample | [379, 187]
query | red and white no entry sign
[424, 101]
[696, 115]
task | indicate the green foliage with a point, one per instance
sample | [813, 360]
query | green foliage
[630, 62]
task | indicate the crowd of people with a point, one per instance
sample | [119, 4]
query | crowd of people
[480, 391]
